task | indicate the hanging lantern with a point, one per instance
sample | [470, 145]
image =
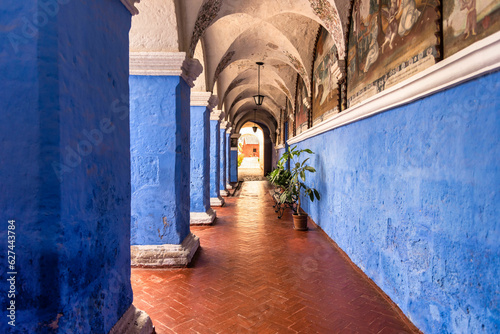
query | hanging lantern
[259, 99]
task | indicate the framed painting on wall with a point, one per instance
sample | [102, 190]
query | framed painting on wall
[300, 108]
[325, 78]
[389, 41]
[467, 21]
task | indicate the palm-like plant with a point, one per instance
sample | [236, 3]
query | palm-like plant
[280, 176]
[296, 185]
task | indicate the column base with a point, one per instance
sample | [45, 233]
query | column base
[203, 218]
[165, 256]
[134, 321]
[223, 193]
[229, 186]
[216, 201]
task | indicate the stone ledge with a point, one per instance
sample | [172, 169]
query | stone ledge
[165, 64]
[216, 201]
[224, 193]
[164, 256]
[203, 218]
[200, 99]
[217, 115]
[134, 321]
[224, 125]
[229, 186]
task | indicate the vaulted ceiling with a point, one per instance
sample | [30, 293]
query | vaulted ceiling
[230, 36]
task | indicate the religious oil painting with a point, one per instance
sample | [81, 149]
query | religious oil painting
[467, 21]
[389, 41]
[290, 119]
[325, 79]
[300, 108]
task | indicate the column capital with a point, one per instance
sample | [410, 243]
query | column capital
[216, 115]
[200, 99]
[130, 4]
[204, 99]
[224, 125]
[229, 129]
[165, 63]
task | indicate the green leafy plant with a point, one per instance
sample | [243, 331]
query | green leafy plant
[296, 186]
[280, 176]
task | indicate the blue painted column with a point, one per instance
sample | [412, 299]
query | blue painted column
[215, 171]
[287, 164]
[160, 156]
[201, 106]
[228, 158]
[223, 158]
[234, 158]
[65, 171]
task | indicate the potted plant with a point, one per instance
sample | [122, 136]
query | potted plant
[280, 176]
[297, 187]
[280, 179]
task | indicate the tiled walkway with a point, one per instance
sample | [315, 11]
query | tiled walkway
[255, 274]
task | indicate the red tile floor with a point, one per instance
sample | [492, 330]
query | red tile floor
[255, 274]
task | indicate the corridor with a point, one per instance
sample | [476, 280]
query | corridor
[250, 170]
[255, 274]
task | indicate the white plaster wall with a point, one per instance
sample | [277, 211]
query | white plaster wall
[155, 28]
[200, 85]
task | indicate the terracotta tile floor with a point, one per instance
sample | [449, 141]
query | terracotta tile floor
[255, 274]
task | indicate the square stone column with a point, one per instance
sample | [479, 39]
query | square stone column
[228, 158]
[215, 171]
[223, 157]
[160, 85]
[65, 171]
[234, 157]
[202, 104]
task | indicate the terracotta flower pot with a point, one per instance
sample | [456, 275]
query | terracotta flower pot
[300, 222]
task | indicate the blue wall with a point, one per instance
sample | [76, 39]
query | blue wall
[160, 150]
[228, 157]
[200, 159]
[412, 196]
[223, 155]
[234, 165]
[65, 164]
[214, 159]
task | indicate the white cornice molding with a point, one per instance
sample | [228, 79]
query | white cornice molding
[216, 115]
[200, 99]
[157, 63]
[478, 59]
[224, 125]
[130, 5]
[165, 64]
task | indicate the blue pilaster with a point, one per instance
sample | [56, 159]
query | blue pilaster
[160, 155]
[65, 171]
[201, 213]
[215, 170]
[228, 158]
[233, 163]
[223, 156]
